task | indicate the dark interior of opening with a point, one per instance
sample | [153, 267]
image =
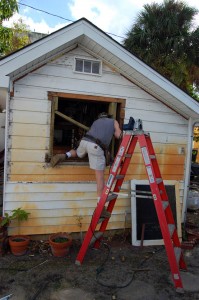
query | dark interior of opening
[66, 134]
[146, 213]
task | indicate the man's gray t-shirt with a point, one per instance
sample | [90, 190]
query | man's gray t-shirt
[102, 129]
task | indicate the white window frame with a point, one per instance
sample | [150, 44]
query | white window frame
[135, 241]
[89, 60]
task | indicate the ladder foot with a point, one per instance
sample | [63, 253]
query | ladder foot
[78, 263]
[180, 290]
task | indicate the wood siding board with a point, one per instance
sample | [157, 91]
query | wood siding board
[32, 130]
[56, 204]
[153, 107]
[21, 142]
[27, 155]
[30, 117]
[28, 104]
[66, 220]
[86, 199]
[164, 128]
[59, 228]
[59, 81]
[53, 188]
[168, 139]
[30, 92]
[41, 93]
[157, 116]
[75, 178]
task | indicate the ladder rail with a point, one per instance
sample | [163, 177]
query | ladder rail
[165, 216]
[119, 181]
[109, 183]
[159, 195]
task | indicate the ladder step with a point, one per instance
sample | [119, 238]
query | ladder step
[127, 155]
[177, 251]
[159, 180]
[111, 197]
[165, 204]
[101, 220]
[96, 237]
[171, 229]
[119, 176]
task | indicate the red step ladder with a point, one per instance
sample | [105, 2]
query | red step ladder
[163, 209]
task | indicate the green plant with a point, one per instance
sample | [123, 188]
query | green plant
[18, 214]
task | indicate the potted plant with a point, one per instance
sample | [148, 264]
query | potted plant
[18, 243]
[60, 243]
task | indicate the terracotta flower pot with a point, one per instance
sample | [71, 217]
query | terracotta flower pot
[19, 244]
[60, 243]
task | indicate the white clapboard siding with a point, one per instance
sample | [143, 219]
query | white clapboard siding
[69, 220]
[67, 84]
[24, 155]
[24, 129]
[63, 72]
[31, 117]
[50, 187]
[22, 142]
[45, 230]
[28, 104]
[60, 200]
[165, 138]
[56, 206]
[156, 116]
[30, 92]
[150, 104]
[59, 204]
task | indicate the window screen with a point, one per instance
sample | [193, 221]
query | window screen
[146, 212]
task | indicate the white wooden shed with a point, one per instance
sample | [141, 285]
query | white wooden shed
[78, 71]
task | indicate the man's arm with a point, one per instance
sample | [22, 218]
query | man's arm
[118, 132]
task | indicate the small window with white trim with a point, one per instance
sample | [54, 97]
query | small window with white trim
[88, 66]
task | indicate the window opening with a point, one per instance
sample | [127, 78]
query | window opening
[71, 118]
[67, 134]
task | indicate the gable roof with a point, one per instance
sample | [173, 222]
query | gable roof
[84, 34]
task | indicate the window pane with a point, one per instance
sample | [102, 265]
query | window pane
[95, 67]
[87, 66]
[79, 65]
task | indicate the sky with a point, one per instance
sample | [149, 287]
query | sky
[115, 17]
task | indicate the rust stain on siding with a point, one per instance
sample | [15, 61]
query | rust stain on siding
[168, 157]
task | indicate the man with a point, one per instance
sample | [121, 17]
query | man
[98, 137]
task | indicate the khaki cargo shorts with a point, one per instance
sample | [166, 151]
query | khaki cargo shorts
[95, 154]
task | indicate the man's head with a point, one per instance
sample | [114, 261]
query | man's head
[104, 115]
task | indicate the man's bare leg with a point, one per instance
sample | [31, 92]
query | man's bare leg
[73, 153]
[99, 174]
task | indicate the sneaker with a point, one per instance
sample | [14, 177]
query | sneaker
[130, 125]
[105, 213]
[56, 159]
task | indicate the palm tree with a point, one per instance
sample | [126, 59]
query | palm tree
[163, 36]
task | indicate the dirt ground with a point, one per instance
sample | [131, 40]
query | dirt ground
[117, 270]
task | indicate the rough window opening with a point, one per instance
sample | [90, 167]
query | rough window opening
[66, 134]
